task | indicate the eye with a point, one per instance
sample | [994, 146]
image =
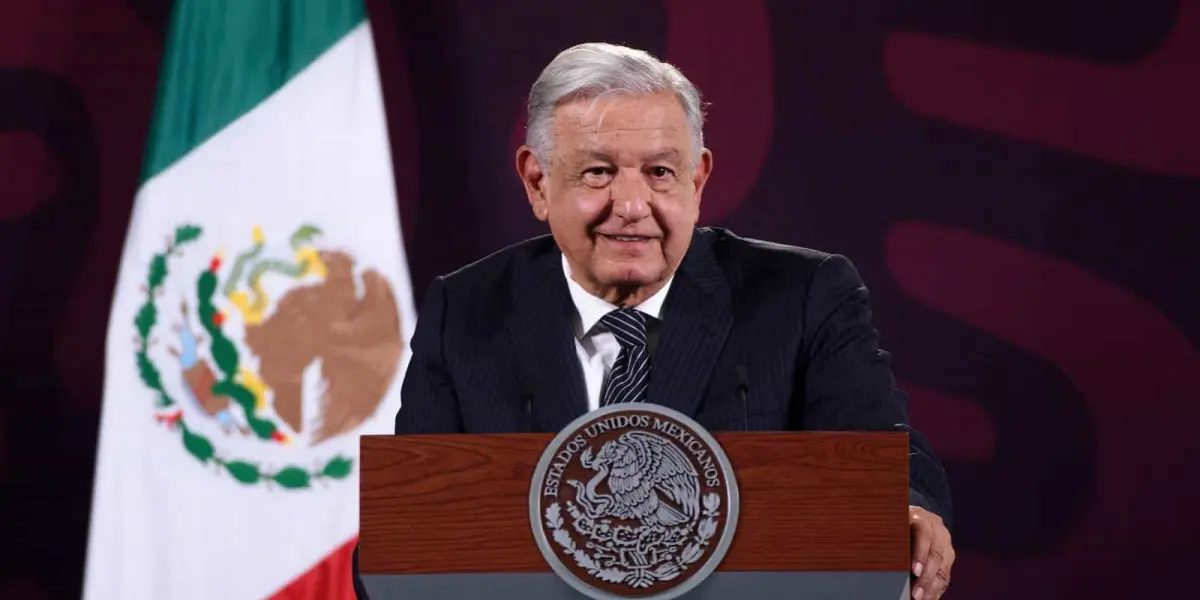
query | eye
[661, 172]
[596, 176]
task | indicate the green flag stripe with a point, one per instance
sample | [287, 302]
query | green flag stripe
[224, 57]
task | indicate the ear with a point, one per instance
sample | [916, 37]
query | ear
[534, 177]
[700, 173]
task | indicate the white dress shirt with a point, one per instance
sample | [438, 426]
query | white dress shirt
[596, 347]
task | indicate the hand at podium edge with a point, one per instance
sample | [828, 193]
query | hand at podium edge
[933, 554]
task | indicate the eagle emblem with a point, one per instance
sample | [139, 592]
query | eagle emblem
[263, 363]
[638, 467]
[633, 500]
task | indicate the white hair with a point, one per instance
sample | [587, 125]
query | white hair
[597, 70]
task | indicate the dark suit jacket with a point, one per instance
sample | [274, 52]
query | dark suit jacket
[494, 349]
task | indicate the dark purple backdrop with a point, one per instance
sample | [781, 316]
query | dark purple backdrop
[1015, 180]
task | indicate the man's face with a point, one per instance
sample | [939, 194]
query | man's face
[622, 194]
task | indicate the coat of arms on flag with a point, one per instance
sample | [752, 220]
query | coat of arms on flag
[268, 347]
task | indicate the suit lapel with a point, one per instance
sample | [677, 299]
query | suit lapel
[697, 317]
[545, 344]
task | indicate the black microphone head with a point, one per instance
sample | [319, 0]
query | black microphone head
[525, 388]
[743, 390]
[524, 385]
[743, 379]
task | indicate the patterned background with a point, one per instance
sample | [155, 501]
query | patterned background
[1015, 180]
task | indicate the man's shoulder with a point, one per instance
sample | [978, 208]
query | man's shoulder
[749, 259]
[747, 248]
[497, 270]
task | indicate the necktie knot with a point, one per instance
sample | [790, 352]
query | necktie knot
[629, 379]
[628, 325]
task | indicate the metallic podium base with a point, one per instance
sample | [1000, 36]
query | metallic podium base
[759, 585]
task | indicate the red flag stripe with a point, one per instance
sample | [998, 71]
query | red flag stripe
[330, 579]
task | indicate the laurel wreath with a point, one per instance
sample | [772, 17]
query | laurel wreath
[641, 578]
[225, 355]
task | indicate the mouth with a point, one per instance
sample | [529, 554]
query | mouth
[627, 239]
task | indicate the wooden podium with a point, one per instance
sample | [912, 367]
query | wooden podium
[822, 516]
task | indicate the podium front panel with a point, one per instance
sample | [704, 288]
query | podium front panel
[722, 585]
[822, 515]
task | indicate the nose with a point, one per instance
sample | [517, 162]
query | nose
[630, 197]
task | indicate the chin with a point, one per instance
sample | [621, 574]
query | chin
[632, 275]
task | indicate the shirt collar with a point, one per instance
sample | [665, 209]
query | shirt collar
[589, 309]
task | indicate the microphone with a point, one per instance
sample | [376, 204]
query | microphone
[527, 398]
[743, 390]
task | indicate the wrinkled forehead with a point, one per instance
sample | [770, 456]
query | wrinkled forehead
[621, 126]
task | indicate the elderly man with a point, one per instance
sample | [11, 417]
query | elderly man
[525, 339]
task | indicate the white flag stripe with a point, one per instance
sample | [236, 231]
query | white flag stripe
[164, 524]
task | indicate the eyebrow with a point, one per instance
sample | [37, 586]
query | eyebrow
[670, 155]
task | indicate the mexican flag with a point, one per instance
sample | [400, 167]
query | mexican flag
[261, 315]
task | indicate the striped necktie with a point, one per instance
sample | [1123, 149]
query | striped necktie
[630, 376]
